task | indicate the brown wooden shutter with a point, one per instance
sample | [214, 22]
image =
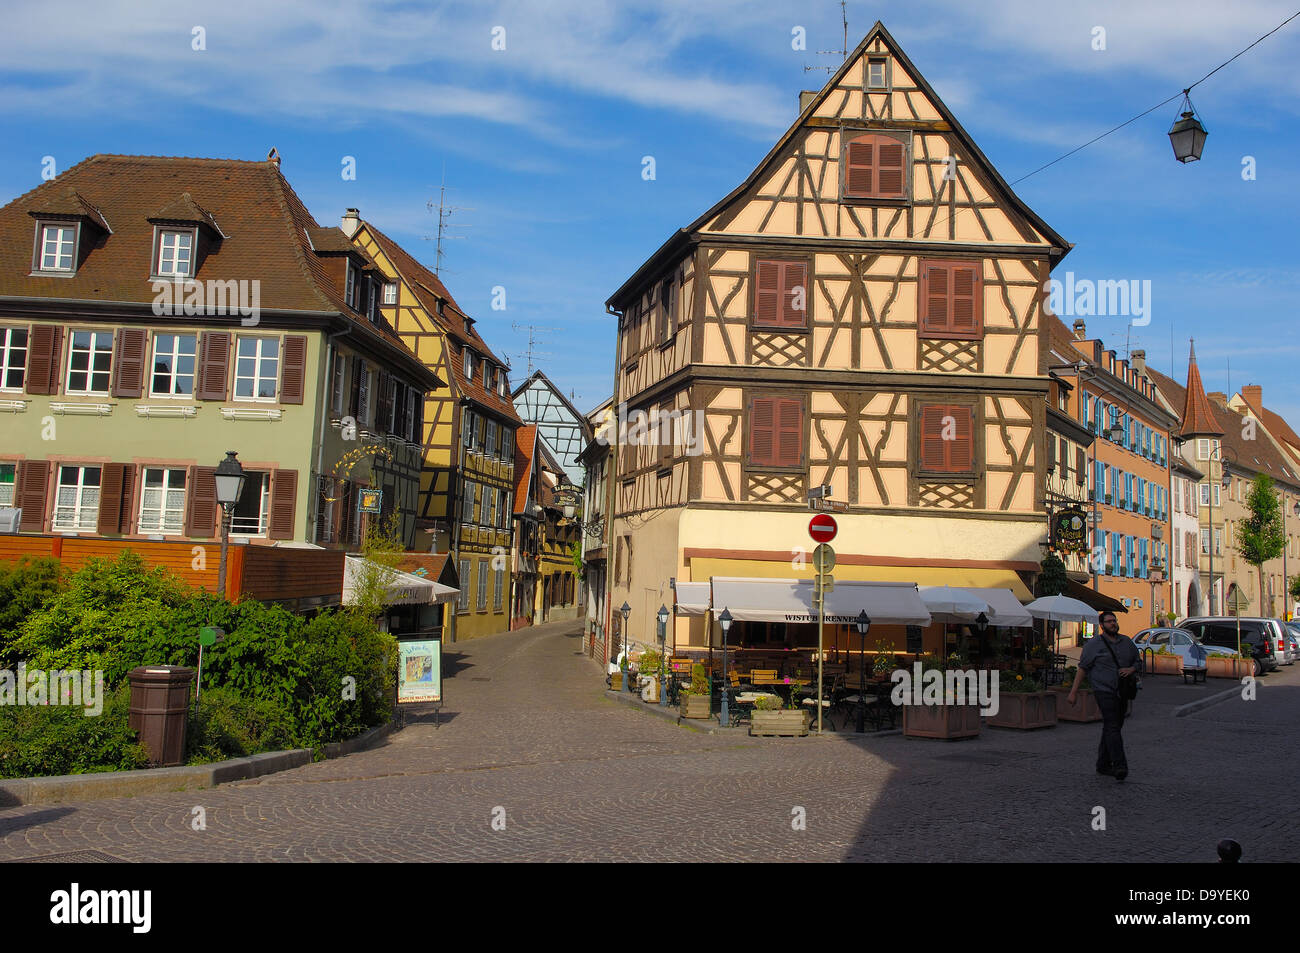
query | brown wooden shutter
[1080, 466]
[951, 299]
[201, 513]
[961, 451]
[794, 275]
[934, 298]
[30, 493]
[789, 432]
[947, 456]
[128, 362]
[875, 167]
[1051, 454]
[891, 176]
[383, 402]
[294, 369]
[664, 435]
[767, 293]
[860, 175]
[355, 400]
[43, 351]
[965, 304]
[762, 432]
[214, 366]
[933, 455]
[114, 497]
[284, 503]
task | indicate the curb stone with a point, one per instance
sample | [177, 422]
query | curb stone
[1200, 703]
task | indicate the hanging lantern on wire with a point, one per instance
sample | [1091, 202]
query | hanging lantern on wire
[1187, 134]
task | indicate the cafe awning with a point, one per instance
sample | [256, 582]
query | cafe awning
[790, 600]
[1007, 609]
[692, 598]
[403, 588]
[1093, 598]
[971, 577]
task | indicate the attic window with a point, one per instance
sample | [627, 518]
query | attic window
[58, 244]
[350, 289]
[469, 364]
[390, 292]
[175, 257]
[877, 73]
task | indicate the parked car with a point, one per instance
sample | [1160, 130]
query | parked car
[1294, 629]
[1259, 637]
[1181, 642]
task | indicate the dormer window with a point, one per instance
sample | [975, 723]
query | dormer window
[487, 376]
[350, 289]
[175, 254]
[58, 244]
[469, 365]
[390, 292]
[371, 310]
[501, 382]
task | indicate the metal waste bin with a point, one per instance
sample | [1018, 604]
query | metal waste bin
[160, 708]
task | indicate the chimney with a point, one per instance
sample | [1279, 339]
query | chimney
[1139, 361]
[1218, 397]
[351, 222]
[1253, 394]
[1080, 329]
[273, 156]
[805, 97]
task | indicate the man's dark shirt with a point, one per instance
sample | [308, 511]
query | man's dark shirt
[1100, 667]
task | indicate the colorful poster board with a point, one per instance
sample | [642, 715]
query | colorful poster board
[419, 671]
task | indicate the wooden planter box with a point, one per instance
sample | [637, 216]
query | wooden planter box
[1164, 664]
[784, 721]
[1025, 710]
[1084, 709]
[697, 706]
[1216, 666]
[941, 721]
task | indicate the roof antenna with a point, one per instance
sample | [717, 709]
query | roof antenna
[532, 343]
[444, 220]
[842, 54]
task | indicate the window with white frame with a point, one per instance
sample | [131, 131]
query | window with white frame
[462, 599]
[175, 254]
[162, 501]
[13, 358]
[390, 292]
[467, 502]
[482, 584]
[350, 288]
[58, 243]
[876, 73]
[337, 385]
[492, 438]
[1218, 542]
[7, 471]
[487, 376]
[76, 504]
[497, 588]
[469, 365]
[173, 365]
[501, 382]
[90, 362]
[252, 509]
[371, 311]
[257, 368]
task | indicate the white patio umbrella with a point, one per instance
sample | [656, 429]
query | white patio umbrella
[950, 604]
[1060, 609]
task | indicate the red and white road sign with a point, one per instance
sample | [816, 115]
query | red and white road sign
[822, 528]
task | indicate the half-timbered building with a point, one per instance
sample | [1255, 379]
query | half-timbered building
[862, 311]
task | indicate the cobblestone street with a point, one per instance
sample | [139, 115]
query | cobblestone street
[528, 729]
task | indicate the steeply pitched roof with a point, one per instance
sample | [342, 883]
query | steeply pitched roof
[525, 441]
[460, 332]
[1274, 422]
[1198, 418]
[185, 209]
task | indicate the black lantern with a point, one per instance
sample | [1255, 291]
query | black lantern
[863, 624]
[1187, 133]
[724, 620]
[229, 477]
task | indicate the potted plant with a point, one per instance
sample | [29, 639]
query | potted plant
[884, 662]
[697, 701]
[1085, 707]
[946, 721]
[1163, 661]
[650, 667]
[770, 718]
[1023, 704]
[1228, 666]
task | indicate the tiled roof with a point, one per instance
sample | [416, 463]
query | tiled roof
[1198, 418]
[1275, 424]
[460, 333]
[328, 239]
[69, 202]
[185, 209]
[525, 441]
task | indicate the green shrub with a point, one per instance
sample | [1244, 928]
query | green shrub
[224, 725]
[25, 588]
[50, 740]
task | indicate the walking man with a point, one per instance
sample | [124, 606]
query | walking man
[1105, 658]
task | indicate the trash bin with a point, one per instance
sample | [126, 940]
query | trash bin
[160, 708]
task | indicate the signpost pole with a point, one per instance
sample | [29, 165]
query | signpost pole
[821, 619]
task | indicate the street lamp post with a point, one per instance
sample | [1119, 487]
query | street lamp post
[662, 619]
[624, 610]
[724, 620]
[229, 478]
[863, 624]
[1225, 481]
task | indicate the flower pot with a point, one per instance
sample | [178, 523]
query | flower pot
[1025, 710]
[697, 706]
[941, 721]
[1221, 666]
[1164, 664]
[1084, 708]
[788, 722]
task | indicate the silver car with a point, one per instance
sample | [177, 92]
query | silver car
[1261, 639]
[1180, 642]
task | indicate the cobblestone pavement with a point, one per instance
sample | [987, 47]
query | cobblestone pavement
[528, 732]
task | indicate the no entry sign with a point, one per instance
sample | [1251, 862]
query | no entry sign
[822, 528]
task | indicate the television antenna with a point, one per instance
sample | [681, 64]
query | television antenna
[532, 351]
[842, 54]
[445, 212]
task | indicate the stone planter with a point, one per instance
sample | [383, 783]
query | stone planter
[1025, 710]
[789, 722]
[1219, 666]
[941, 721]
[697, 706]
[1084, 708]
[1163, 664]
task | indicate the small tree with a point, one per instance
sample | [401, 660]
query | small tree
[1295, 588]
[1052, 580]
[1260, 536]
[381, 550]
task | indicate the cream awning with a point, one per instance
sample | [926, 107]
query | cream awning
[790, 600]
[692, 598]
[404, 589]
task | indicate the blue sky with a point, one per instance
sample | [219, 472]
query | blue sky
[542, 142]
